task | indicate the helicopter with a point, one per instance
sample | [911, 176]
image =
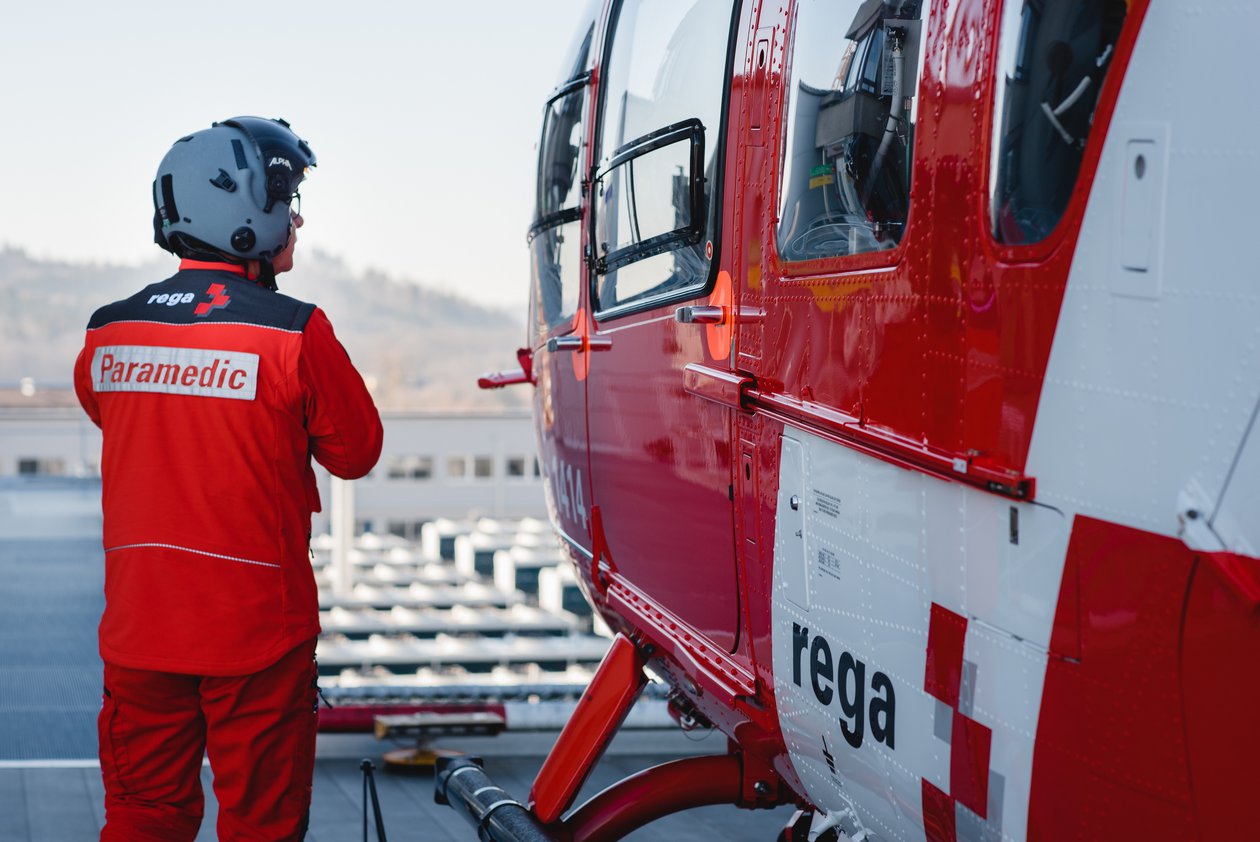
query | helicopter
[895, 370]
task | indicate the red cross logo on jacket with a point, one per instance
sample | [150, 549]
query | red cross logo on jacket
[218, 300]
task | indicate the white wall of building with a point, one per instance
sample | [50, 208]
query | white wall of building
[432, 465]
[446, 465]
[50, 441]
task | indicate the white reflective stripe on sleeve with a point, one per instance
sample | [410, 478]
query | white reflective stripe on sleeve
[195, 552]
[176, 371]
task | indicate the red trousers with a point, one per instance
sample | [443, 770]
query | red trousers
[258, 730]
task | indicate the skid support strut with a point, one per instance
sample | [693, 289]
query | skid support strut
[600, 712]
[737, 778]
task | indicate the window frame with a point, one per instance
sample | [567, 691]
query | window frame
[716, 203]
[693, 130]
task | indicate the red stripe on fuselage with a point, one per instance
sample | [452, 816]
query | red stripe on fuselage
[1149, 714]
[1110, 759]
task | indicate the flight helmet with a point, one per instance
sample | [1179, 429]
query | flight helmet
[227, 189]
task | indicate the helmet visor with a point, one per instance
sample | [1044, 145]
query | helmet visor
[285, 156]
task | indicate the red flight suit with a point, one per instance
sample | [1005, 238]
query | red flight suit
[212, 394]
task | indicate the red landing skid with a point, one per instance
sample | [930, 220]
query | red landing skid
[735, 778]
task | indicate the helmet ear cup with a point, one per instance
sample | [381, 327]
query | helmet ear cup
[243, 239]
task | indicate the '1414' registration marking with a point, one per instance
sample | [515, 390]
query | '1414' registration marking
[568, 490]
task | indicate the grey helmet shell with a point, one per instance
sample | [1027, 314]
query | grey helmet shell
[229, 187]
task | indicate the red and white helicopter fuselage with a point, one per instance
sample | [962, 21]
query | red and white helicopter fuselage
[897, 368]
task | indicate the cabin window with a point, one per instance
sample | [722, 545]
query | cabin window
[555, 238]
[849, 140]
[658, 177]
[1052, 61]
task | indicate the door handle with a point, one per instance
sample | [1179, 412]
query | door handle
[700, 315]
[578, 344]
[564, 343]
[704, 314]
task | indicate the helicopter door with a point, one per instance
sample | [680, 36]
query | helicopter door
[660, 457]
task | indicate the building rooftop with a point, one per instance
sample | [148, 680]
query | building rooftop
[50, 677]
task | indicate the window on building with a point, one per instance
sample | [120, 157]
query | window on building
[410, 467]
[483, 467]
[515, 467]
[31, 466]
[1052, 61]
[852, 106]
[658, 182]
[457, 467]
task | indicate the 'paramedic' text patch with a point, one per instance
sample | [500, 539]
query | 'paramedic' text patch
[175, 371]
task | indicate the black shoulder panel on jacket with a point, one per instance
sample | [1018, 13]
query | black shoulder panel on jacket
[195, 296]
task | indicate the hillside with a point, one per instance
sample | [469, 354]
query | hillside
[418, 349]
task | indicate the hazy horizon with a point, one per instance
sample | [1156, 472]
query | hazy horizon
[400, 334]
[424, 119]
[291, 283]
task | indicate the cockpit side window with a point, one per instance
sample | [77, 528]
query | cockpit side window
[555, 238]
[658, 178]
[849, 140]
[1052, 60]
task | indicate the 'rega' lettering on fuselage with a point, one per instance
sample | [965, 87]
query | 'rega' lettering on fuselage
[829, 678]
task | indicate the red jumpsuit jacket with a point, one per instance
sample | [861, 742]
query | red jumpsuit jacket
[212, 394]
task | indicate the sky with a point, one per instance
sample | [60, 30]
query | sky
[424, 117]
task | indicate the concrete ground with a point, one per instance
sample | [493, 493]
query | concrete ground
[50, 677]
